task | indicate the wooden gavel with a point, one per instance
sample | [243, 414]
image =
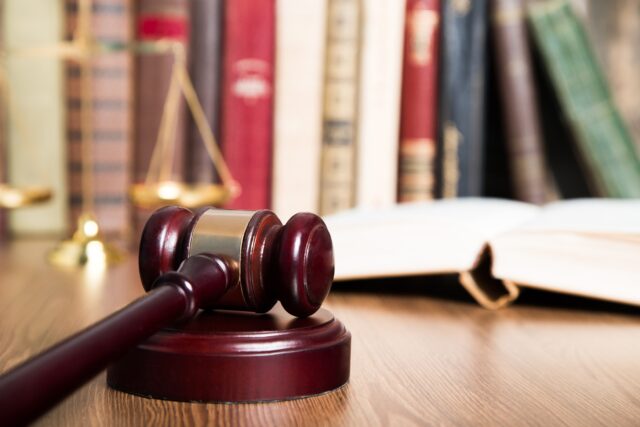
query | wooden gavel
[241, 260]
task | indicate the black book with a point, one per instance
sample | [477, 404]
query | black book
[462, 98]
[205, 71]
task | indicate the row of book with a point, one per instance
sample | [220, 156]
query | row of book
[451, 98]
[320, 105]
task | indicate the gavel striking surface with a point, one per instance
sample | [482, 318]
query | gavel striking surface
[233, 356]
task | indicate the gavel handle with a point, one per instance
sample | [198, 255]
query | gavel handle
[30, 389]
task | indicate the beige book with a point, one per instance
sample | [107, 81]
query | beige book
[379, 105]
[587, 247]
[36, 123]
[340, 106]
[300, 39]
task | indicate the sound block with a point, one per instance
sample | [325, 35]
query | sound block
[232, 356]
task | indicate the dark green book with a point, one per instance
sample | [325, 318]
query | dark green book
[602, 139]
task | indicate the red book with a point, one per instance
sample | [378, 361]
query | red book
[247, 105]
[418, 125]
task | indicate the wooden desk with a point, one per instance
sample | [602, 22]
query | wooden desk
[425, 356]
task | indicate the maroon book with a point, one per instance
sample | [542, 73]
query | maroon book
[418, 125]
[247, 105]
[156, 20]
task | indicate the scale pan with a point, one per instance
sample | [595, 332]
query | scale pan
[18, 197]
[178, 193]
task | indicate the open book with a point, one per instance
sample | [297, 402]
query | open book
[587, 247]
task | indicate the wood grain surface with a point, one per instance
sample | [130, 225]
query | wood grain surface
[423, 354]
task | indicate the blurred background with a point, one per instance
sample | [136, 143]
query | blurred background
[313, 105]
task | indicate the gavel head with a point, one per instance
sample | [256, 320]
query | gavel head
[292, 263]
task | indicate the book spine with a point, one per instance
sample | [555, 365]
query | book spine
[519, 102]
[340, 110]
[300, 35]
[204, 68]
[247, 115]
[614, 28]
[461, 116]
[36, 141]
[561, 157]
[111, 118]
[379, 103]
[419, 106]
[156, 20]
[602, 139]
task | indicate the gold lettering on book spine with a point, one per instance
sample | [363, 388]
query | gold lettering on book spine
[337, 171]
[509, 15]
[451, 162]
[422, 27]
[416, 172]
[462, 6]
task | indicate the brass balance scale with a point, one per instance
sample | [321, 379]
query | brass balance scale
[86, 245]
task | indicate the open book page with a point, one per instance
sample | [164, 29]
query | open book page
[609, 217]
[584, 247]
[444, 236]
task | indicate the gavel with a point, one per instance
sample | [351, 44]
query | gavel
[210, 258]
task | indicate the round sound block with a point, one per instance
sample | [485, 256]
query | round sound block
[231, 356]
